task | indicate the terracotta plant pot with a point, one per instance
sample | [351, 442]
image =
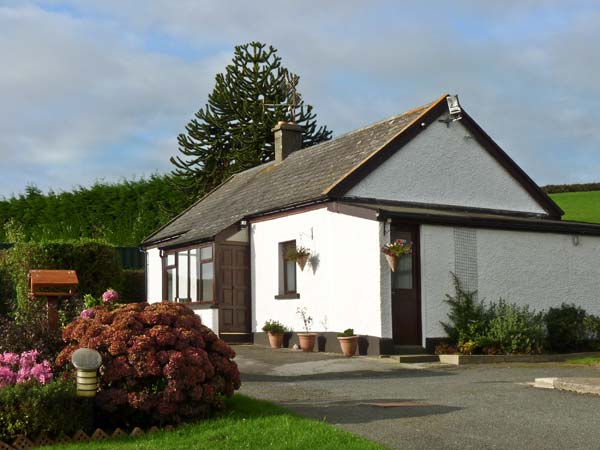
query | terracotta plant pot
[349, 345]
[276, 340]
[302, 260]
[392, 261]
[307, 341]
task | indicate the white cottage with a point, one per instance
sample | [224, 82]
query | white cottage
[431, 175]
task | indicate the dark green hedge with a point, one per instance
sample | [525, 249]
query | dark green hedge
[33, 409]
[558, 188]
[134, 286]
[120, 214]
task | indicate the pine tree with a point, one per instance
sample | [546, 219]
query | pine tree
[232, 132]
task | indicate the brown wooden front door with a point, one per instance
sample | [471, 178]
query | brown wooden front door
[406, 295]
[233, 288]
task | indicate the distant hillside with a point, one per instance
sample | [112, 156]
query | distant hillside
[579, 206]
[120, 214]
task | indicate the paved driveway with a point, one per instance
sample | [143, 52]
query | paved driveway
[477, 407]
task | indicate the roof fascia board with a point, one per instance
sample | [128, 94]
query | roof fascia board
[512, 224]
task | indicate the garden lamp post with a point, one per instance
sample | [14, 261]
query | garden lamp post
[86, 361]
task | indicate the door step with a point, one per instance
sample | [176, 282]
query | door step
[414, 359]
[237, 338]
[408, 350]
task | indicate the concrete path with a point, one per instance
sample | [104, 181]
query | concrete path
[428, 406]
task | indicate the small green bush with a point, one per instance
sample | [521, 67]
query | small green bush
[33, 409]
[513, 329]
[566, 327]
[274, 327]
[349, 332]
[468, 317]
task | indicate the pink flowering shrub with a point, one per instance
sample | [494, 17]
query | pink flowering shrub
[16, 368]
[160, 364]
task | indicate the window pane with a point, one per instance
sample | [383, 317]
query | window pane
[207, 282]
[170, 285]
[206, 252]
[182, 274]
[171, 259]
[402, 277]
[194, 275]
[291, 276]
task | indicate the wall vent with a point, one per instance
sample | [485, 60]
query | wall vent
[465, 258]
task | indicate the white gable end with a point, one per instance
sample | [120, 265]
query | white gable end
[446, 166]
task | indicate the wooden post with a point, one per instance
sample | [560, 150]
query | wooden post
[52, 312]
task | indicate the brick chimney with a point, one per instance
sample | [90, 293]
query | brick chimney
[288, 139]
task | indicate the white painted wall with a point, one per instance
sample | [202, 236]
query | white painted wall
[153, 275]
[340, 286]
[536, 269]
[445, 165]
[210, 317]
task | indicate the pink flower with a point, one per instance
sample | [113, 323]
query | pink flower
[87, 314]
[110, 296]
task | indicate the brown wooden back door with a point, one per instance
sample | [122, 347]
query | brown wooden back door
[406, 295]
[233, 288]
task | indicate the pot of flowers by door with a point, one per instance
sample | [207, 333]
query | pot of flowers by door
[275, 331]
[307, 339]
[299, 254]
[394, 251]
[348, 342]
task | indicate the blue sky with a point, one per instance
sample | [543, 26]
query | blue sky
[99, 89]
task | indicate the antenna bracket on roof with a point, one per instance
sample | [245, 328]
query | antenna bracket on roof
[454, 110]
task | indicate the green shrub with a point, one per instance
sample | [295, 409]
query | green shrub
[274, 327]
[134, 286]
[467, 316]
[7, 288]
[349, 332]
[566, 327]
[513, 329]
[33, 409]
[592, 331]
[97, 266]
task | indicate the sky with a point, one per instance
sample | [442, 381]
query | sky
[98, 90]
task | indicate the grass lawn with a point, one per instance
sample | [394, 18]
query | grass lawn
[579, 206]
[247, 424]
[586, 361]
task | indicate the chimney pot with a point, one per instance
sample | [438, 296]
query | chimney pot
[288, 139]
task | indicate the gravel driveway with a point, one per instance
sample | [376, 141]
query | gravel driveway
[427, 406]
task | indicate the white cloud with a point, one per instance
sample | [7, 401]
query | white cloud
[92, 78]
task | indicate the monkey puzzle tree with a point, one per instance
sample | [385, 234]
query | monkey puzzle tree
[232, 132]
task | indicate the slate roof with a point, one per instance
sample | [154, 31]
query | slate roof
[304, 176]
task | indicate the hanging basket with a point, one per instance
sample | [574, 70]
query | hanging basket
[302, 260]
[392, 261]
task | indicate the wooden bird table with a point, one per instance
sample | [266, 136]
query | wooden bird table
[54, 285]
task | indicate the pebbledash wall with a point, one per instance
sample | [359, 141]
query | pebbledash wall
[210, 317]
[528, 268]
[340, 286]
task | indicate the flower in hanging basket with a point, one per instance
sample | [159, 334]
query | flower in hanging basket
[394, 250]
[398, 248]
[299, 254]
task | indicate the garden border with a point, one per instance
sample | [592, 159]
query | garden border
[22, 442]
[459, 360]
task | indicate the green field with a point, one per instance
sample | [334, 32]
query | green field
[247, 424]
[579, 206]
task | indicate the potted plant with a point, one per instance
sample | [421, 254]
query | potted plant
[307, 339]
[394, 251]
[275, 331]
[299, 254]
[348, 341]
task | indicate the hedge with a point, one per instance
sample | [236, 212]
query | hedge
[582, 187]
